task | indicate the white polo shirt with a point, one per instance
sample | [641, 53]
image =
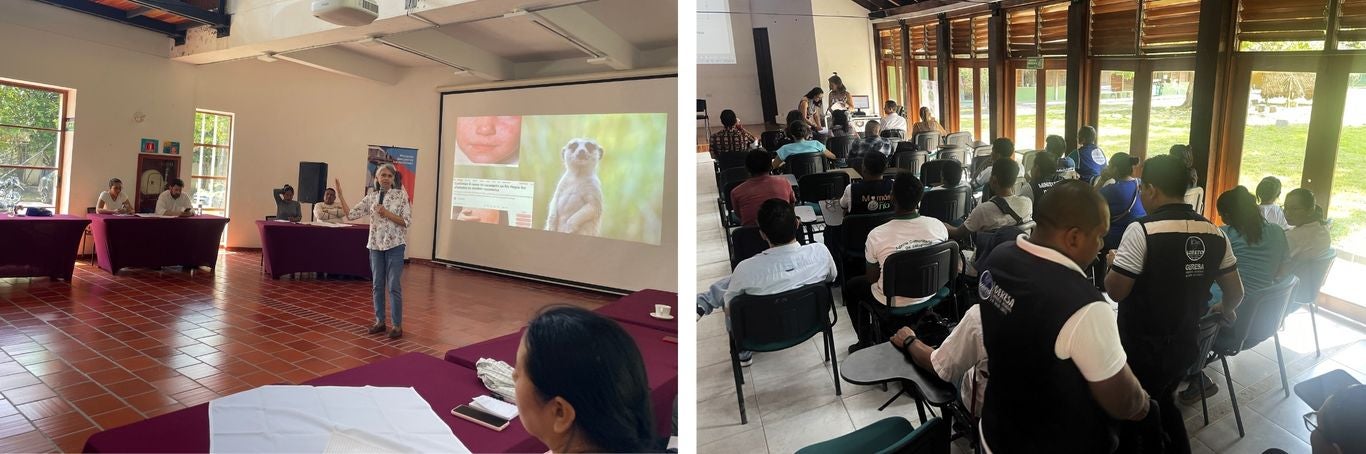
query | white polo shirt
[177, 205]
[782, 268]
[902, 235]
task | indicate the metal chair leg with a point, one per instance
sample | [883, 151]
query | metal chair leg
[834, 365]
[739, 382]
[1233, 396]
[1280, 361]
[1204, 407]
[1313, 322]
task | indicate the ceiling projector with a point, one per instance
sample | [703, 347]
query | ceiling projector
[346, 12]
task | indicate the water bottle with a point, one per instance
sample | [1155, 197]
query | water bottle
[199, 210]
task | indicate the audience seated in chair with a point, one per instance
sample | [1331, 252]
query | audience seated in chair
[1003, 209]
[927, 124]
[872, 141]
[1059, 378]
[802, 144]
[891, 121]
[907, 230]
[761, 186]
[1066, 167]
[1268, 190]
[1309, 236]
[1042, 177]
[1161, 276]
[872, 194]
[1120, 189]
[961, 359]
[1089, 157]
[786, 265]
[732, 138]
[1261, 251]
[1001, 148]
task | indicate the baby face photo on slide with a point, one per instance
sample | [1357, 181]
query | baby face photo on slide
[492, 140]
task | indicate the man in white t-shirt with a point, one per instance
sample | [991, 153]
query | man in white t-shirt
[890, 119]
[113, 201]
[990, 216]
[1060, 381]
[173, 201]
[907, 230]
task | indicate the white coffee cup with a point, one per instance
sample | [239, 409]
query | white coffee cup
[662, 310]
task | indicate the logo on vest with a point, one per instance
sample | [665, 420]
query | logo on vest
[1195, 248]
[874, 205]
[988, 291]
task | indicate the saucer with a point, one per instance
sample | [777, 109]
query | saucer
[664, 317]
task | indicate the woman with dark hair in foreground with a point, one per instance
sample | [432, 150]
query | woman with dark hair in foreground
[581, 384]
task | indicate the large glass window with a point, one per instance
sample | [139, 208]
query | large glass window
[929, 93]
[1116, 110]
[1277, 127]
[967, 94]
[30, 145]
[211, 161]
[1026, 108]
[1169, 118]
[983, 82]
[1348, 206]
[1055, 102]
[890, 62]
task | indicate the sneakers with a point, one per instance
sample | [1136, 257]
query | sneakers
[378, 328]
[396, 333]
[1191, 394]
[746, 358]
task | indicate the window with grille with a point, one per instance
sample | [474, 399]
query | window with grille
[211, 162]
[31, 134]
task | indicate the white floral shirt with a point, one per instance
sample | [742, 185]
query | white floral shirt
[385, 234]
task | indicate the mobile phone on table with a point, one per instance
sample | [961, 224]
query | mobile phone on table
[480, 417]
[671, 339]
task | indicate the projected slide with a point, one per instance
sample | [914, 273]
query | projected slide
[715, 39]
[598, 175]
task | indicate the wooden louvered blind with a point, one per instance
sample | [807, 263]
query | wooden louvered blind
[1114, 27]
[1282, 20]
[969, 36]
[1041, 31]
[925, 41]
[1170, 25]
[1352, 20]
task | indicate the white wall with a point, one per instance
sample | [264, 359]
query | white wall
[809, 40]
[285, 113]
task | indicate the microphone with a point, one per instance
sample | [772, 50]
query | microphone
[381, 196]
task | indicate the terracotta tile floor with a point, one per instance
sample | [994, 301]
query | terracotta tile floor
[104, 351]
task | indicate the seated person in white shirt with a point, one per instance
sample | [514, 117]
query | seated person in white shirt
[907, 230]
[174, 201]
[990, 216]
[114, 201]
[786, 265]
[891, 121]
[961, 359]
[329, 210]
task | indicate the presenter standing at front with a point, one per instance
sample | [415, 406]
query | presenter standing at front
[390, 216]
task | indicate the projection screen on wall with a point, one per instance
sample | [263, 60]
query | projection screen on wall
[572, 182]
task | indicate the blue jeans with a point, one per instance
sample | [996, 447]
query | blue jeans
[387, 269]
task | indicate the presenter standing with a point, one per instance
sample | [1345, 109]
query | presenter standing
[390, 216]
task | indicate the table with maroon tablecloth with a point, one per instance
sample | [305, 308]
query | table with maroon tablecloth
[40, 246]
[287, 248]
[127, 241]
[637, 307]
[660, 355]
[442, 384]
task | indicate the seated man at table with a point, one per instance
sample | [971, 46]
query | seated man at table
[286, 208]
[907, 230]
[173, 201]
[786, 265]
[329, 210]
[761, 185]
[113, 201]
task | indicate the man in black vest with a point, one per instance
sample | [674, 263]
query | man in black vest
[1058, 374]
[1163, 269]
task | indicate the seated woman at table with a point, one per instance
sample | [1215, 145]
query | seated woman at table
[581, 384]
[113, 201]
[329, 210]
[286, 207]
[173, 201]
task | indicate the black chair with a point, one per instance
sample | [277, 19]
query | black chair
[773, 140]
[770, 323]
[926, 141]
[962, 139]
[730, 160]
[1209, 329]
[725, 183]
[915, 273]
[910, 161]
[941, 172]
[960, 154]
[893, 134]
[841, 147]
[1312, 274]
[817, 187]
[89, 234]
[948, 204]
[890, 435]
[704, 116]
[854, 235]
[800, 165]
[1258, 318]
[903, 147]
[743, 243]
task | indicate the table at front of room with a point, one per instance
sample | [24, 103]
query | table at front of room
[442, 384]
[127, 241]
[637, 307]
[300, 248]
[40, 246]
